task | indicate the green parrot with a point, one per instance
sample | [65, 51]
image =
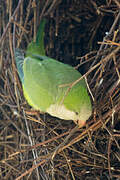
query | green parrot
[43, 79]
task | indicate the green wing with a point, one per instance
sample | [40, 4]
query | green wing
[42, 79]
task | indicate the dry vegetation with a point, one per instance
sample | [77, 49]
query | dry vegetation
[28, 139]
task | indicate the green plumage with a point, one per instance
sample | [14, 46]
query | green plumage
[43, 77]
[38, 46]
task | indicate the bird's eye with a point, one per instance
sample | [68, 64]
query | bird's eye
[76, 113]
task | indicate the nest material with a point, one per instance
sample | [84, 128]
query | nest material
[28, 139]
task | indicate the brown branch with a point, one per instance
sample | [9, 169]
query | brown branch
[10, 21]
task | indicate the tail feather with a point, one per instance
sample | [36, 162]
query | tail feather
[38, 46]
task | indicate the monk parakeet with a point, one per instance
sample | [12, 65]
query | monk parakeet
[43, 79]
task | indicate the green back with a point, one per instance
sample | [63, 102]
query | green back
[43, 77]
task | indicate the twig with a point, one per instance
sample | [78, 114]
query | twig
[65, 141]
[31, 143]
[10, 21]
[111, 30]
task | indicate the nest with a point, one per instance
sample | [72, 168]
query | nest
[85, 34]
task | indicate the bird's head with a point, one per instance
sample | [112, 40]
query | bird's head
[63, 113]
